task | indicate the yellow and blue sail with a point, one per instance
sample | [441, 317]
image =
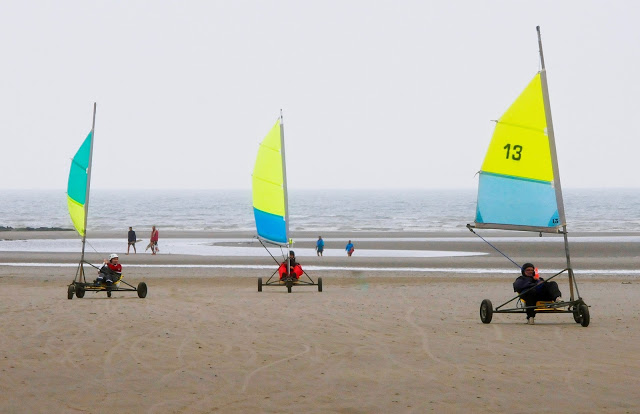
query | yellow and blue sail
[516, 186]
[269, 188]
[78, 184]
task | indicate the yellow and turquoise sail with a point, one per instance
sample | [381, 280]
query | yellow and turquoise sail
[269, 187]
[79, 183]
[519, 187]
[78, 186]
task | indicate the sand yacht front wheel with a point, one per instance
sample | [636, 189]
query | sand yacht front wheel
[584, 314]
[142, 290]
[80, 292]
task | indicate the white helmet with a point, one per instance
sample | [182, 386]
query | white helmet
[113, 256]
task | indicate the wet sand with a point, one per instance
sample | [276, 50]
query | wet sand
[204, 340]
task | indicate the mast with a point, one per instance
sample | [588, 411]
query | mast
[286, 195]
[551, 135]
[86, 204]
[284, 179]
[554, 160]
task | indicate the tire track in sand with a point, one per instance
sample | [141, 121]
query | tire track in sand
[425, 340]
[247, 379]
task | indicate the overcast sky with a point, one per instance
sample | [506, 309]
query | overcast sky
[375, 94]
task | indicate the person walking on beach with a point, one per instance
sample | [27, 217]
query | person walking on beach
[319, 246]
[153, 240]
[131, 237]
[349, 248]
[536, 289]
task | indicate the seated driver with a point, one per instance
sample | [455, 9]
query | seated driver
[110, 271]
[295, 270]
[543, 291]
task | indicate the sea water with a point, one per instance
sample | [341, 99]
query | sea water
[587, 210]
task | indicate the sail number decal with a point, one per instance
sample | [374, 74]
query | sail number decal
[514, 153]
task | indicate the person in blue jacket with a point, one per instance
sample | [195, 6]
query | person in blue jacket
[540, 290]
[319, 246]
[349, 248]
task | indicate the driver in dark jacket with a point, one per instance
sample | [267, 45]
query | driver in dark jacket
[544, 291]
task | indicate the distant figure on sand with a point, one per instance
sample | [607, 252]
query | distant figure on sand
[295, 270]
[545, 291]
[131, 237]
[153, 241]
[319, 246]
[349, 248]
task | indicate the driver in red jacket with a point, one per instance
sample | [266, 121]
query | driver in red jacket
[110, 271]
[295, 270]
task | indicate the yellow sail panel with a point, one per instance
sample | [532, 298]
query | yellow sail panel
[76, 211]
[268, 179]
[520, 145]
[268, 198]
[528, 110]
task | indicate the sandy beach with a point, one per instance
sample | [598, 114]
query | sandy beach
[377, 341]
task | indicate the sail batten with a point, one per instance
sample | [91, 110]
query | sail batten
[514, 177]
[508, 124]
[273, 183]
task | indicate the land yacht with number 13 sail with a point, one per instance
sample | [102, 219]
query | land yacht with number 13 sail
[519, 189]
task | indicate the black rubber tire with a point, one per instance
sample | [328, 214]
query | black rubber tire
[80, 292]
[259, 284]
[142, 290]
[70, 291]
[486, 311]
[108, 293]
[319, 284]
[584, 313]
[289, 285]
[576, 314]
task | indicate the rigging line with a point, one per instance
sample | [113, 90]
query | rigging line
[305, 273]
[471, 230]
[265, 247]
[90, 245]
[92, 265]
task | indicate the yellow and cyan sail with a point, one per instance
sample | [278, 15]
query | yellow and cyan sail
[269, 188]
[516, 186]
[77, 187]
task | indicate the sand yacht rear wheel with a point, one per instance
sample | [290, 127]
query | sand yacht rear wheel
[486, 311]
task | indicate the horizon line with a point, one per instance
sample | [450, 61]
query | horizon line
[302, 188]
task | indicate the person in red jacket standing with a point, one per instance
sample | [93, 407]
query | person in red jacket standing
[153, 240]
